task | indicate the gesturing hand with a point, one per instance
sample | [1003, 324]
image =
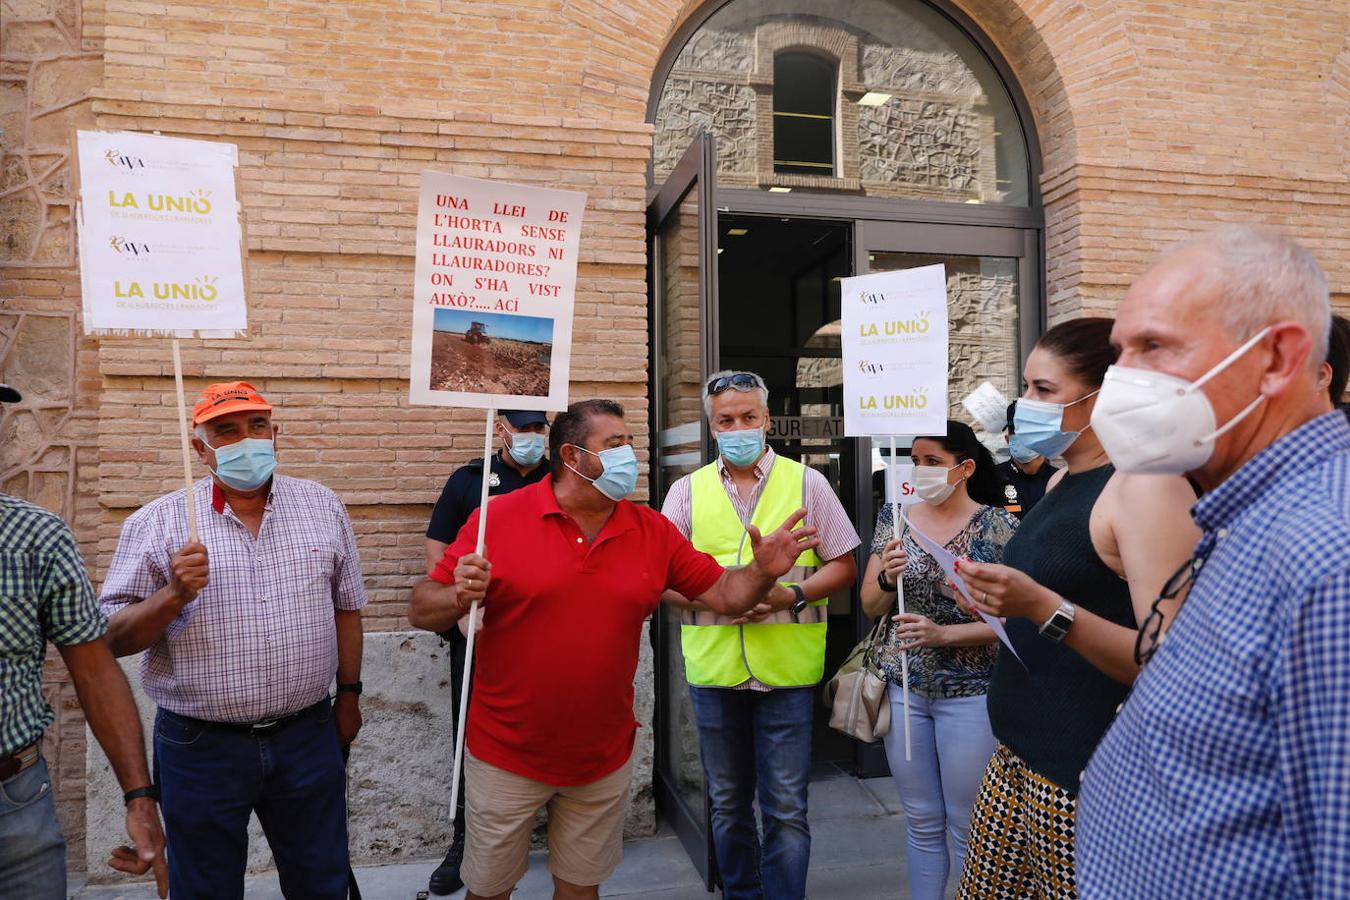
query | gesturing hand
[777, 552]
[147, 850]
[189, 571]
[472, 574]
[1005, 591]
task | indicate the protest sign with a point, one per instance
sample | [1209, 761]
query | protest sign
[493, 294]
[161, 246]
[161, 242]
[894, 340]
[894, 336]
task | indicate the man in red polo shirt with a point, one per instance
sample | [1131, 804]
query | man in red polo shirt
[575, 571]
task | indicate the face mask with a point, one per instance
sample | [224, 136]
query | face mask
[1036, 425]
[1159, 424]
[1021, 452]
[930, 483]
[620, 473]
[245, 465]
[741, 448]
[526, 447]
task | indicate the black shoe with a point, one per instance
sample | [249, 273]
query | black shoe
[446, 880]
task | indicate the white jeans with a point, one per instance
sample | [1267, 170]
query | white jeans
[951, 744]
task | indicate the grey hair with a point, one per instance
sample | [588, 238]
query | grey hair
[759, 383]
[1268, 277]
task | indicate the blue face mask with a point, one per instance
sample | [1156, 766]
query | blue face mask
[1037, 425]
[1020, 451]
[620, 473]
[245, 465]
[741, 448]
[527, 447]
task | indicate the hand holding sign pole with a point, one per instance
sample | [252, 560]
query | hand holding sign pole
[494, 288]
[894, 331]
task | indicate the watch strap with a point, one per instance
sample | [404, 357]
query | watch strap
[353, 688]
[885, 583]
[150, 790]
[1056, 627]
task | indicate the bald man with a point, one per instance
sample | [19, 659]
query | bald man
[1227, 772]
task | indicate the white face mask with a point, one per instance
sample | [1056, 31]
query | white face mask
[930, 483]
[1158, 424]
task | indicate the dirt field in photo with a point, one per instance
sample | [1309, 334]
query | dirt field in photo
[497, 367]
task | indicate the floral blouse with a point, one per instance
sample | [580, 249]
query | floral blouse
[940, 672]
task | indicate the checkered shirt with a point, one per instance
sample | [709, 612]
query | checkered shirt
[260, 640]
[1227, 772]
[44, 596]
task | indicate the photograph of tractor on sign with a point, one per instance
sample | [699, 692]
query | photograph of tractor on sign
[490, 353]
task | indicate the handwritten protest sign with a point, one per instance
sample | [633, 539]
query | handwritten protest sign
[161, 242]
[495, 287]
[895, 352]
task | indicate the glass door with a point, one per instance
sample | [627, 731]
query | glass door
[993, 298]
[682, 282]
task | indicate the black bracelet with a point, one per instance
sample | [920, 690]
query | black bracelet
[886, 586]
[151, 791]
[353, 688]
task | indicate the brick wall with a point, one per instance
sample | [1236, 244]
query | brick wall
[1156, 121]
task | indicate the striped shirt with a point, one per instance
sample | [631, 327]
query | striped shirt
[44, 596]
[824, 512]
[1227, 772]
[260, 640]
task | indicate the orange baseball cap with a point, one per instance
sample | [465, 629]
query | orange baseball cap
[225, 398]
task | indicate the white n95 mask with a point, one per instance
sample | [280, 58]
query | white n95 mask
[1157, 424]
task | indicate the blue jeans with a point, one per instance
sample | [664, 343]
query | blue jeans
[754, 742]
[211, 779]
[32, 851]
[950, 746]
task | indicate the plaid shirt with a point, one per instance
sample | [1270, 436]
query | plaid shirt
[260, 641]
[44, 596]
[1227, 773]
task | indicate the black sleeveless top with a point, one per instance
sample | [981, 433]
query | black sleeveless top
[1053, 713]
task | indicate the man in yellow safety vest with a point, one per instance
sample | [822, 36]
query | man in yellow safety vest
[753, 678]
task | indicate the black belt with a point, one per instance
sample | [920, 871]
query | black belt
[265, 727]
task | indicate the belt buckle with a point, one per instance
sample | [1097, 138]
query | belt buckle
[264, 727]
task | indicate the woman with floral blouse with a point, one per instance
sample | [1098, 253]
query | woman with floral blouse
[951, 654]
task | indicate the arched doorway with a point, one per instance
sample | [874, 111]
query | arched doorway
[798, 142]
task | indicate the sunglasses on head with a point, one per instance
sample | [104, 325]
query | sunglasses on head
[740, 381]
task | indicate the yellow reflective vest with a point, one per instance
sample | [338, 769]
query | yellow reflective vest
[777, 651]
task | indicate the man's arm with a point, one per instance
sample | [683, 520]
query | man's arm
[1313, 733]
[737, 591]
[347, 706]
[136, 626]
[111, 712]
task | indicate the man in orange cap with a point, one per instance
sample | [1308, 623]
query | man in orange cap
[243, 632]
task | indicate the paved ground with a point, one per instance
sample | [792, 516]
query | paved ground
[857, 854]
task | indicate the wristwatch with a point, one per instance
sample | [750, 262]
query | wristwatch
[151, 791]
[800, 603]
[886, 584]
[1057, 625]
[353, 688]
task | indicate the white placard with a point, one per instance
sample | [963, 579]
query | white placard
[495, 285]
[900, 484]
[161, 241]
[988, 407]
[894, 333]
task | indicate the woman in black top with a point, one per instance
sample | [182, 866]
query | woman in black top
[1079, 575]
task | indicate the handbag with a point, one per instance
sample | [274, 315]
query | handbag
[856, 695]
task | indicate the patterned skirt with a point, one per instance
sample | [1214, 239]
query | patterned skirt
[1021, 836]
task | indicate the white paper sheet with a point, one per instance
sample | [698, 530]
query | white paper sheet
[948, 563]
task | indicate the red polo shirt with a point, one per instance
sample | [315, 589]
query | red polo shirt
[562, 623]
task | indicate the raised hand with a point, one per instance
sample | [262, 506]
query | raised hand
[776, 553]
[472, 574]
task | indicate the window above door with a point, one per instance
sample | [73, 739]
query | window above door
[878, 98]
